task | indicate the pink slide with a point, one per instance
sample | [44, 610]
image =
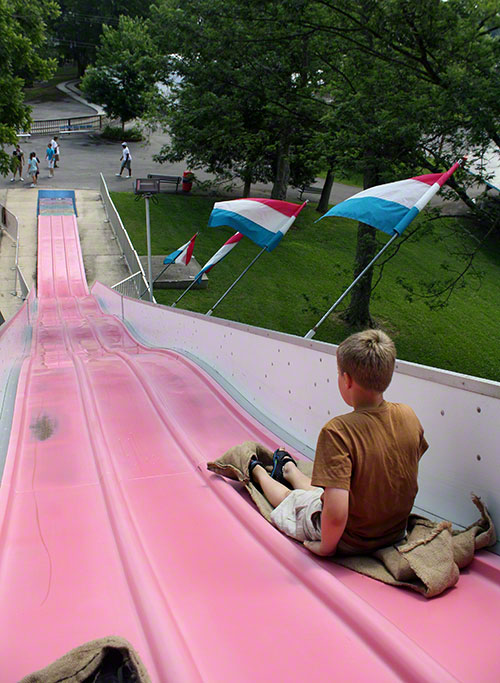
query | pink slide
[111, 525]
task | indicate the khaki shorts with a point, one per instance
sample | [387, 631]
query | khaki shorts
[299, 515]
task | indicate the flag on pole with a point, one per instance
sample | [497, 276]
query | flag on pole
[264, 221]
[220, 254]
[182, 254]
[393, 206]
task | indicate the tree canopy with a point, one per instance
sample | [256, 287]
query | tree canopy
[23, 28]
[123, 78]
[245, 103]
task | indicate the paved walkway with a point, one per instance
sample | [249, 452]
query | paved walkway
[84, 156]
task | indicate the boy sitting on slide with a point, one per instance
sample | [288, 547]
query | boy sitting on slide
[364, 478]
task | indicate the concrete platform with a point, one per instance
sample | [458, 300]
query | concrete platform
[176, 276]
[102, 256]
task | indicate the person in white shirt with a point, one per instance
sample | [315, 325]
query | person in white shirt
[126, 159]
[55, 146]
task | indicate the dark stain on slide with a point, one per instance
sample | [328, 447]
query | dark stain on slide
[43, 427]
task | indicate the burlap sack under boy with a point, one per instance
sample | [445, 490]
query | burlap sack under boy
[427, 561]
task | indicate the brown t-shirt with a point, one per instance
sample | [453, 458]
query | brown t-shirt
[373, 453]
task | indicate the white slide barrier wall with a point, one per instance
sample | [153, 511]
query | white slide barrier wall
[293, 382]
[15, 344]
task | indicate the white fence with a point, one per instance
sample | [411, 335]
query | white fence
[290, 385]
[129, 253]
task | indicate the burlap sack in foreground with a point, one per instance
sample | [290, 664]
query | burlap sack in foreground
[91, 661]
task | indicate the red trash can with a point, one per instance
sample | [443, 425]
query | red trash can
[187, 181]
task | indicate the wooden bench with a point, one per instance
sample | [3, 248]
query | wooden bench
[166, 179]
[309, 190]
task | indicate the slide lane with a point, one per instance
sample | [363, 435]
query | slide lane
[111, 524]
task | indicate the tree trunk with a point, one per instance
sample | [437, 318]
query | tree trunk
[247, 179]
[324, 200]
[282, 174]
[358, 312]
[81, 65]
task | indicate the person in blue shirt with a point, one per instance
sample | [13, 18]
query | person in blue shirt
[49, 155]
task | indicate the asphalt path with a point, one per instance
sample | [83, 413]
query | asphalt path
[85, 155]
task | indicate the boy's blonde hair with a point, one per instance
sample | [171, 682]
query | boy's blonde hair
[368, 357]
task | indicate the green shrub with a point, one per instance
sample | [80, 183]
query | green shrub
[116, 134]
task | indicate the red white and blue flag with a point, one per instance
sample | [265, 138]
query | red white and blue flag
[264, 221]
[393, 206]
[182, 254]
[220, 254]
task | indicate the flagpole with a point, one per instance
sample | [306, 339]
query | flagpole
[234, 283]
[314, 329]
[156, 278]
[186, 291]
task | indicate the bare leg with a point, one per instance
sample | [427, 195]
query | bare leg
[297, 479]
[272, 489]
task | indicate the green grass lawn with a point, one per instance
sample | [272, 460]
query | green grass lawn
[46, 91]
[290, 289]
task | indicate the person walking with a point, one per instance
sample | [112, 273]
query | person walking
[33, 169]
[126, 159]
[55, 146]
[17, 163]
[49, 155]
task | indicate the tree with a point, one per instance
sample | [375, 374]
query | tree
[22, 35]
[244, 105]
[123, 79]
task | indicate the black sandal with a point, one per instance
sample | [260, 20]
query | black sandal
[280, 458]
[251, 466]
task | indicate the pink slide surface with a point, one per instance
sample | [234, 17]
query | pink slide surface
[111, 525]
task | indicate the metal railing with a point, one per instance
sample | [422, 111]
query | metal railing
[73, 124]
[23, 285]
[9, 226]
[129, 253]
[130, 286]
[8, 223]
